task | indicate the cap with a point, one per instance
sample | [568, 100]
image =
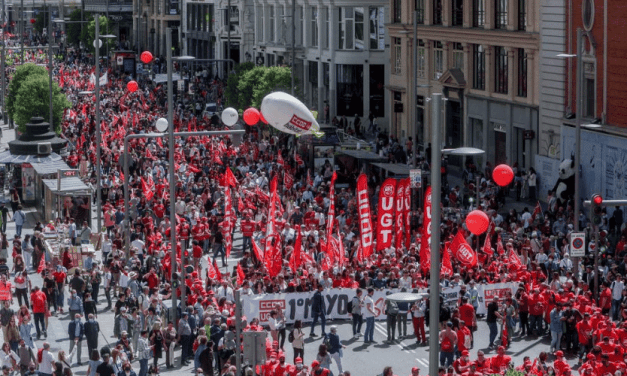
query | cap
[559, 353]
[449, 324]
[501, 348]
[298, 360]
[315, 363]
[414, 369]
[465, 353]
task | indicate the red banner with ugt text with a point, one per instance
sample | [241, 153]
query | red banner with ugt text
[407, 210]
[425, 241]
[398, 214]
[365, 217]
[385, 214]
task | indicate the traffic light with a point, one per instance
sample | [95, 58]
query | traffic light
[595, 203]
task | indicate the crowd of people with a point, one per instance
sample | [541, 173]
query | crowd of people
[556, 297]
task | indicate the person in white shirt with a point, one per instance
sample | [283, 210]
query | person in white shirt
[405, 282]
[288, 232]
[225, 291]
[369, 314]
[617, 294]
[47, 361]
[566, 263]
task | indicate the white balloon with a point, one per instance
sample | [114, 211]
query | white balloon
[229, 116]
[161, 125]
[289, 115]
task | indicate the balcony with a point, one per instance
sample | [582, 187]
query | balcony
[113, 6]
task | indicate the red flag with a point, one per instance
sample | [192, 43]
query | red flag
[288, 180]
[298, 159]
[365, 222]
[272, 251]
[258, 252]
[193, 168]
[499, 246]
[537, 210]
[407, 210]
[159, 142]
[211, 271]
[240, 204]
[425, 241]
[146, 190]
[447, 266]
[462, 251]
[295, 257]
[42, 264]
[229, 217]
[487, 246]
[240, 274]
[514, 260]
[398, 215]
[341, 253]
[385, 214]
[218, 274]
[229, 178]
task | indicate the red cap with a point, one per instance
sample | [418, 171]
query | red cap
[559, 353]
[315, 363]
[414, 369]
[465, 353]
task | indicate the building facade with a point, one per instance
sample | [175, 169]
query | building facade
[340, 53]
[604, 110]
[483, 56]
[120, 14]
[150, 20]
[199, 38]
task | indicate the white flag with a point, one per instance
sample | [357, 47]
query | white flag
[92, 79]
[103, 80]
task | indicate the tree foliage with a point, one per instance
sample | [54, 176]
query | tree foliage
[39, 22]
[249, 86]
[33, 99]
[89, 34]
[73, 30]
[21, 74]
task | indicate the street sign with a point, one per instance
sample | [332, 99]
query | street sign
[577, 244]
[254, 347]
[65, 173]
[181, 85]
[415, 176]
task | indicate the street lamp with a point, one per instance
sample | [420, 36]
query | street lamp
[578, 115]
[434, 280]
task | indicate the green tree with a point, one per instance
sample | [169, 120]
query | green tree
[33, 99]
[73, 30]
[21, 74]
[249, 86]
[90, 32]
[232, 82]
[39, 22]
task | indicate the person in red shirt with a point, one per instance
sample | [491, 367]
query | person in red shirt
[584, 334]
[247, 227]
[196, 253]
[536, 310]
[39, 301]
[560, 364]
[463, 363]
[464, 337]
[467, 314]
[606, 345]
[605, 366]
[317, 370]
[152, 280]
[500, 362]
[605, 299]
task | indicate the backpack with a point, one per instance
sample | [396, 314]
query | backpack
[290, 337]
[447, 345]
[40, 355]
[349, 306]
[327, 342]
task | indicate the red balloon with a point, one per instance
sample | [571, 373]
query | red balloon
[251, 116]
[32, 20]
[132, 86]
[146, 57]
[477, 222]
[262, 118]
[503, 175]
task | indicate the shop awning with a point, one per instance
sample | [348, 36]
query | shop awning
[68, 185]
[50, 167]
[396, 169]
[364, 155]
[7, 158]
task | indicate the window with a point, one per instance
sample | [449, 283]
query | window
[301, 24]
[422, 73]
[500, 70]
[260, 19]
[314, 27]
[420, 11]
[437, 12]
[478, 69]
[522, 15]
[397, 11]
[478, 13]
[397, 55]
[457, 8]
[458, 56]
[589, 90]
[522, 73]
[377, 28]
[351, 35]
[500, 14]
[438, 60]
[272, 24]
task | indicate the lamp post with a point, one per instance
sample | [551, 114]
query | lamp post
[434, 280]
[98, 136]
[578, 115]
